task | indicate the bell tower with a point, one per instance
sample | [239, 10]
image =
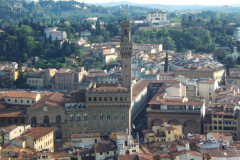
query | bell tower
[126, 51]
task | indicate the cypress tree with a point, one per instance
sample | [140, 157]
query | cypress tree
[166, 63]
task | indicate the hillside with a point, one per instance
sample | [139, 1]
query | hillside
[13, 11]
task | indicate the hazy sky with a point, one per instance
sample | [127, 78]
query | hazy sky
[173, 2]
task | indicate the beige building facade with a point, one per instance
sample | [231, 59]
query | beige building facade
[218, 75]
[20, 97]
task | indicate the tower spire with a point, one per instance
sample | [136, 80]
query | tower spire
[125, 14]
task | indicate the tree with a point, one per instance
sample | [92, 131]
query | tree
[220, 55]
[229, 63]
[238, 60]
[166, 63]
[98, 28]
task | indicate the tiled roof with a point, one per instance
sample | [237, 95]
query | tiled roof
[128, 157]
[8, 128]
[229, 152]
[5, 113]
[105, 147]
[38, 132]
[54, 99]
[218, 135]
[19, 94]
[138, 87]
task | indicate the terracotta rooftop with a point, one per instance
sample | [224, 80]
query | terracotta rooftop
[38, 132]
[88, 135]
[4, 113]
[138, 87]
[54, 99]
[8, 129]
[128, 157]
[19, 94]
[218, 135]
[218, 153]
[105, 147]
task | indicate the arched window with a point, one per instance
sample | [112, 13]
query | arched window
[71, 117]
[215, 122]
[33, 122]
[78, 117]
[219, 122]
[125, 32]
[58, 119]
[46, 120]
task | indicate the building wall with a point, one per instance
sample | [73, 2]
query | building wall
[21, 101]
[45, 142]
[222, 123]
[79, 142]
[156, 16]
[190, 120]
[115, 112]
[206, 90]
[103, 155]
[18, 131]
[35, 82]
[108, 58]
[233, 81]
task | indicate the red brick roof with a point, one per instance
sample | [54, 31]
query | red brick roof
[54, 99]
[138, 87]
[12, 113]
[20, 94]
[38, 132]
[128, 157]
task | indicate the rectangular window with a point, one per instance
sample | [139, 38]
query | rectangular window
[101, 117]
[108, 117]
[110, 98]
[123, 116]
[116, 98]
[94, 117]
[105, 99]
[27, 101]
[100, 99]
[21, 101]
[85, 117]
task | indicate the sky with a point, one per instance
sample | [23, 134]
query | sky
[173, 2]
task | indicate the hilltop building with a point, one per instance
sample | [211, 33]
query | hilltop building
[236, 34]
[157, 17]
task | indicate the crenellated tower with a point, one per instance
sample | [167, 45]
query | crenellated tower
[126, 51]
